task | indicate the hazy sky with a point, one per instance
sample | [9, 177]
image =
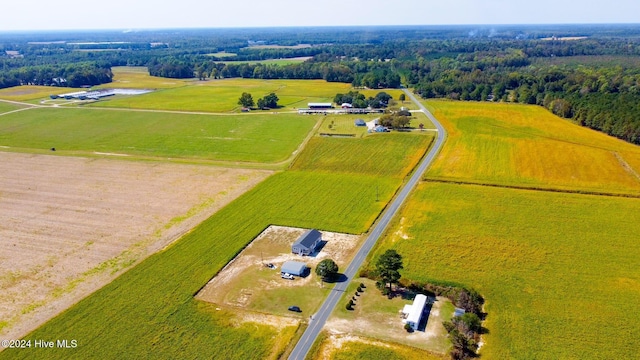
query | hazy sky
[145, 14]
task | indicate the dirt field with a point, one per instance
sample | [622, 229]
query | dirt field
[69, 225]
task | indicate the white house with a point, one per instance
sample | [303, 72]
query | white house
[412, 314]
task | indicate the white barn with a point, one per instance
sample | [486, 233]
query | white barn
[413, 313]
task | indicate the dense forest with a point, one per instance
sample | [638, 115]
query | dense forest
[590, 74]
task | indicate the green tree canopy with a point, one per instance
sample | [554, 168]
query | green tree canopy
[327, 269]
[246, 100]
[388, 265]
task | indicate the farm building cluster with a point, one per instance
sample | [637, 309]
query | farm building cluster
[328, 108]
[97, 94]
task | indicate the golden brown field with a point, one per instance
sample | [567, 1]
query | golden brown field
[511, 144]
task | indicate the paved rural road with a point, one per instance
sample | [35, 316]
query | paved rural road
[320, 318]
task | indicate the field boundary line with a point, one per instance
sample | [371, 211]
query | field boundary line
[15, 111]
[627, 167]
[294, 156]
[534, 188]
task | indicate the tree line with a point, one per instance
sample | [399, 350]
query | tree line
[594, 81]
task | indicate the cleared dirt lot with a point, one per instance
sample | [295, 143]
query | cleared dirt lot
[69, 225]
[246, 279]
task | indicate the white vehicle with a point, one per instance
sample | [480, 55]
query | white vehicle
[286, 276]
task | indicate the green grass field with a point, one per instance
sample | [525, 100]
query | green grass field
[560, 272]
[149, 312]
[222, 54]
[388, 154]
[251, 138]
[32, 92]
[6, 107]
[512, 144]
[222, 95]
[280, 62]
[137, 77]
[344, 124]
[360, 350]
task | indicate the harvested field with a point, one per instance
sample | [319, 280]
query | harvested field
[69, 225]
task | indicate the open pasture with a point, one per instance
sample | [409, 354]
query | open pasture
[280, 62]
[6, 107]
[221, 95]
[249, 138]
[223, 54]
[559, 272]
[32, 92]
[387, 154]
[69, 224]
[344, 124]
[149, 311]
[510, 144]
[137, 77]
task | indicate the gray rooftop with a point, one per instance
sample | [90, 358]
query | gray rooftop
[308, 238]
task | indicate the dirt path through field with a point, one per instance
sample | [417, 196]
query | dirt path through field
[70, 225]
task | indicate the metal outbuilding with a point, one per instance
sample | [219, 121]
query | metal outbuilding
[294, 268]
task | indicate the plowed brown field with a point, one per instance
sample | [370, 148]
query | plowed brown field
[69, 225]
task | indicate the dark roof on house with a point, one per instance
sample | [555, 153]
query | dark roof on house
[308, 238]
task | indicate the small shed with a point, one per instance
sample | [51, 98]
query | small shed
[360, 122]
[294, 268]
[307, 242]
[458, 312]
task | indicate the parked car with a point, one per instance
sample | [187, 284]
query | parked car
[286, 276]
[294, 308]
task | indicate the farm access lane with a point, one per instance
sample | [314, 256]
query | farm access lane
[320, 318]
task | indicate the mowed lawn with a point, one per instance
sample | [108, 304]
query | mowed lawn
[511, 144]
[149, 312]
[221, 95]
[254, 138]
[386, 154]
[560, 272]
